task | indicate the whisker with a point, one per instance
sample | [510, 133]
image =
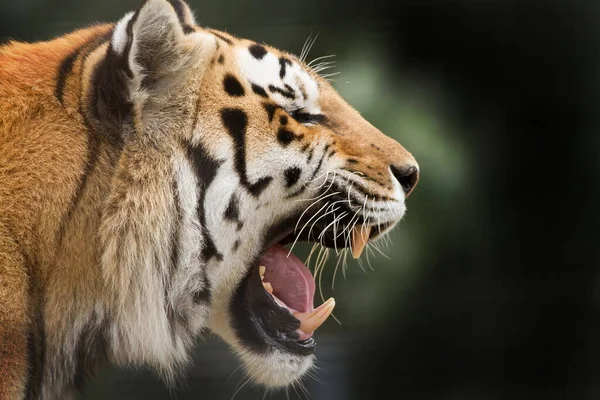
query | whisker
[322, 63]
[304, 51]
[337, 264]
[326, 76]
[240, 388]
[318, 267]
[320, 197]
[320, 58]
[307, 222]
[308, 259]
[318, 177]
[325, 191]
[314, 377]
[304, 390]
[369, 250]
[325, 257]
[326, 227]
[315, 221]
[323, 66]
[309, 47]
[234, 371]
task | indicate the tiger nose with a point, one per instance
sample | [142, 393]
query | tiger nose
[407, 175]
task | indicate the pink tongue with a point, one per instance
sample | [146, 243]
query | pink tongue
[291, 280]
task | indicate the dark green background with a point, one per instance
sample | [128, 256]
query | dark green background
[492, 288]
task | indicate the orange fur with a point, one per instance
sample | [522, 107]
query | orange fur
[42, 152]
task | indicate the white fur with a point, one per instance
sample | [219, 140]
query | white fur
[119, 39]
[265, 72]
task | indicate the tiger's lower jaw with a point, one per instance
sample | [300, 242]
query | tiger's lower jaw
[272, 313]
[277, 369]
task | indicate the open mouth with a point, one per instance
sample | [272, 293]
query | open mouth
[274, 306]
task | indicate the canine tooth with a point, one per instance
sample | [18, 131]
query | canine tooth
[309, 322]
[261, 271]
[360, 237]
[268, 287]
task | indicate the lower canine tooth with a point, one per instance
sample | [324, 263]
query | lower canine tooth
[309, 322]
[360, 236]
[268, 287]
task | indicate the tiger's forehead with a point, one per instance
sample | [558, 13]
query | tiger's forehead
[276, 75]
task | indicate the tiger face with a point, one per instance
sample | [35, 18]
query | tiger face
[263, 152]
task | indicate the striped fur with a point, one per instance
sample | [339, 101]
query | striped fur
[142, 163]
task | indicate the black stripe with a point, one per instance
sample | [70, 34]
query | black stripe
[282, 64]
[361, 190]
[176, 230]
[89, 48]
[303, 91]
[258, 51]
[291, 176]
[221, 36]
[257, 188]
[235, 121]
[93, 149]
[270, 109]
[285, 136]
[36, 358]
[318, 167]
[110, 100]
[202, 295]
[287, 93]
[366, 178]
[232, 86]
[259, 90]
[310, 156]
[36, 340]
[205, 169]
[232, 212]
[92, 139]
[66, 66]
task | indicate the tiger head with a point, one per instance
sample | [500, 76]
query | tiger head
[263, 152]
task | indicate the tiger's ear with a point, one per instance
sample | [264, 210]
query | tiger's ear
[184, 14]
[152, 53]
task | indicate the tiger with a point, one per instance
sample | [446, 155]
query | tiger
[152, 172]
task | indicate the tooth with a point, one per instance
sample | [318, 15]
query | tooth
[268, 287]
[360, 237]
[309, 322]
[261, 271]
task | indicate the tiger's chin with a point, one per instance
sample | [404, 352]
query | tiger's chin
[272, 314]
